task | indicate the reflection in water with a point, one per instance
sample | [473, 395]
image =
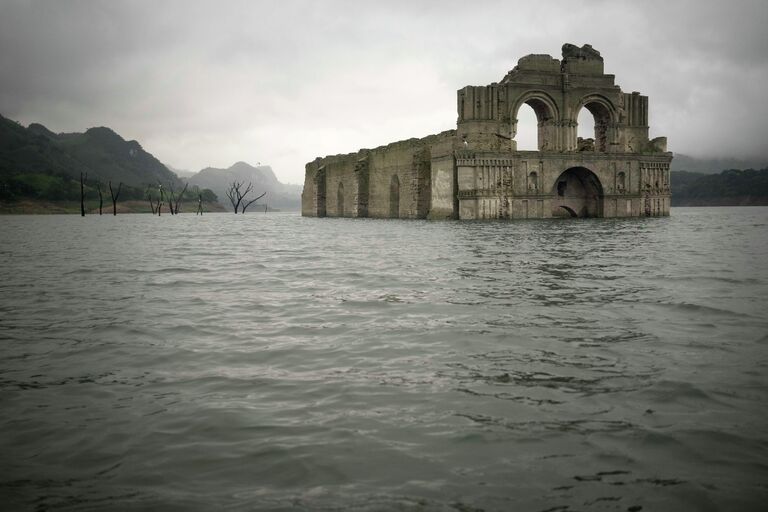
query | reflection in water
[277, 362]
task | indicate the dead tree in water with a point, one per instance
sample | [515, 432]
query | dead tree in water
[236, 196]
[151, 201]
[101, 198]
[176, 199]
[199, 204]
[160, 200]
[82, 193]
[114, 197]
[155, 205]
[246, 205]
[171, 197]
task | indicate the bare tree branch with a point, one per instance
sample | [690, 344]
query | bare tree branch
[233, 193]
[246, 205]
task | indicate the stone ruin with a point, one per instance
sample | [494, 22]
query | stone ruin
[477, 172]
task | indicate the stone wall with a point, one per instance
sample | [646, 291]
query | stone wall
[392, 181]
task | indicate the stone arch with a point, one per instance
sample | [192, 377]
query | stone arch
[547, 116]
[577, 192]
[606, 117]
[394, 197]
[340, 200]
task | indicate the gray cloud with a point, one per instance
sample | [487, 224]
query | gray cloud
[210, 83]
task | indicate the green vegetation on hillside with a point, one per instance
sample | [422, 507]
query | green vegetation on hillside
[732, 187]
[37, 164]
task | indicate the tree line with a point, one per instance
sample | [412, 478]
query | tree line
[162, 197]
[732, 186]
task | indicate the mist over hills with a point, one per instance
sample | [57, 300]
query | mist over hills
[37, 163]
[100, 152]
[181, 173]
[682, 162]
[279, 195]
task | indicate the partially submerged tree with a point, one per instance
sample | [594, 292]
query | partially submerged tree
[151, 201]
[101, 198]
[160, 199]
[237, 196]
[82, 193]
[114, 197]
[174, 201]
[155, 205]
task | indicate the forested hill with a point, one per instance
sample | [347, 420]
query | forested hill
[729, 188]
[279, 195]
[35, 162]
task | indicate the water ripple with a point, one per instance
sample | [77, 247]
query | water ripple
[282, 363]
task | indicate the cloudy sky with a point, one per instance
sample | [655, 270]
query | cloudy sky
[281, 82]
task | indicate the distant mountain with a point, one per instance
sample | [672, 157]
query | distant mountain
[279, 195]
[729, 188]
[683, 162]
[100, 152]
[181, 173]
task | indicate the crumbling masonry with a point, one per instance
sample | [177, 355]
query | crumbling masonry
[476, 171]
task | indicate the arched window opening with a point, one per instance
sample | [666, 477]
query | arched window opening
[340, 201]
[527, 129]
[595, 128]
[585, 131]
[534, 129]
[394, 197]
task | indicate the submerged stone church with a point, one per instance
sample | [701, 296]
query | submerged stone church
[476, 171]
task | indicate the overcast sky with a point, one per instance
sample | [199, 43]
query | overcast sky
[281, 82]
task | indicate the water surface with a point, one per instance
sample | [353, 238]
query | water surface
[274, 362]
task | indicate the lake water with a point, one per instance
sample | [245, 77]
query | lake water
[274, 362]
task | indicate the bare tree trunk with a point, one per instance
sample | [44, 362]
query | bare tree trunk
[151, 204]
[160, 201]
[234, 195]
[115, 196]
[171, 197]
[82, 193]
[180, 198]
[101, 199]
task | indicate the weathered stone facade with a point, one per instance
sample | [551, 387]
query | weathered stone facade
[476, 172]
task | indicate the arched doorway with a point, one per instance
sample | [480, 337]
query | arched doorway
[577, 192]
[394, 197]
[340, 201]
